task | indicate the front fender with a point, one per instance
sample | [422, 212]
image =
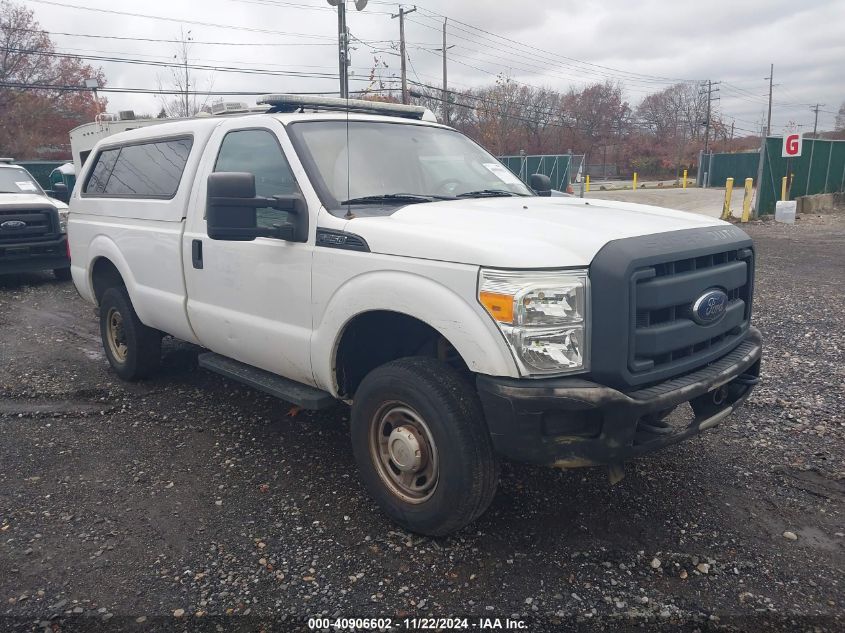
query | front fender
[465, 325]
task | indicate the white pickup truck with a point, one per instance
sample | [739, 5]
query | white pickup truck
[345, 250]
[32, 225]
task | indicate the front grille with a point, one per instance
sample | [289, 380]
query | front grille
[41, 225]
[664, 334]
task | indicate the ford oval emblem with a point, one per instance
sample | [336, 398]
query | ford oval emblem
[710, 307]
[13, 224]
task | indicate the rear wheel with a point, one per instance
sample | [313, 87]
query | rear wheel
[62, 274]
[422, 446]
[133, 349]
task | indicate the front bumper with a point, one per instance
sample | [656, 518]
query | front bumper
[32, 256]
[571, 422]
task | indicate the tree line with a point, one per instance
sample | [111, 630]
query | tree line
[34, 123]
[660, 136]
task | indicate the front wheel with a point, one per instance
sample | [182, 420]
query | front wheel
[133, 349]
[422, 446]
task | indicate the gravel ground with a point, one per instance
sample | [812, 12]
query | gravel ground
[190, 502]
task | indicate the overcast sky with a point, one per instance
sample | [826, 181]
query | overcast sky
[557, 43]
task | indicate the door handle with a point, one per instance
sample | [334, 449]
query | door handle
[196, 253]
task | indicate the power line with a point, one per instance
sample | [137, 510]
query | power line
[172, 41]
[161, 91]
[572, 60]
[182, 21]
[536, 61]
[147, 62]
[295, 5]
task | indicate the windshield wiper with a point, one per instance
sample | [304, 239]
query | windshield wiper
[489, 193]
[396, 197]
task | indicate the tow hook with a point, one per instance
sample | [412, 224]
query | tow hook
[720, 395]
[747, 379]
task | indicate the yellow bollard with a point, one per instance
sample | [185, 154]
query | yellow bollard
[746, 201]
[783, 189]
[729, 189]
[685, 179]
[635, 182]
[588, 184]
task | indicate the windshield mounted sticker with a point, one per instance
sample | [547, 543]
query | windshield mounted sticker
[26, 185]
[502, 173]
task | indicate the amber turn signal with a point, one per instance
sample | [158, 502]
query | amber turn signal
[499, 306]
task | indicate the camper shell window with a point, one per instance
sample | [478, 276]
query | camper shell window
[141, 170]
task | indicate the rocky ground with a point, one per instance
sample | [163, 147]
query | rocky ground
[190, 502]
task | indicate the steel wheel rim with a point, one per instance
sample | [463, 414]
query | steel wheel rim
[403, 451]
[116, 336]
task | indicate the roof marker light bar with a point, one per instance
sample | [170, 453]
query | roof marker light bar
[292, 103]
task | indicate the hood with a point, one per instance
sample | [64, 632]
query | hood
[517, 232]
[12, 199]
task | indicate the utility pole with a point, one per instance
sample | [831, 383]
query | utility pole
[704, 176]
[186, 38]
[445, 79]
[815, 109]
[401, 15]
[343, 43]
[445, 76]
[771, 78]
[343, 50]
[710, 99]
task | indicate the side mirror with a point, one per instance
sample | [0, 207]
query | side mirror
[541, 184]
[59, 192]
[231, 207]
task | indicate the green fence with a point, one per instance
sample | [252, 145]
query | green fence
[560, 168]
[40, 169]
[819, 169]
[720, 167]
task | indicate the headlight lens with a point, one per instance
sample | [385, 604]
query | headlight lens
[63, 220]
[542, 314]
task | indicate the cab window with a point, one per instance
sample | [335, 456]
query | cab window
[258, 152]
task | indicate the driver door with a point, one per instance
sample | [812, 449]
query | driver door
[251, 300]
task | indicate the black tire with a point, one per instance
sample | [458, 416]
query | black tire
[448, 404]
[62, 274]
[141, 344]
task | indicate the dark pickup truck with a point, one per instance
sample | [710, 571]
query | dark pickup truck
[32, 226]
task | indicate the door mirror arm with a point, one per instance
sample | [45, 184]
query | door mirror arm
[231, 205]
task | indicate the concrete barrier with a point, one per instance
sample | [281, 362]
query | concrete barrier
[821, 203]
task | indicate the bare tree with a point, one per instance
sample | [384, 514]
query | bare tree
[839, 126]
[181, 79]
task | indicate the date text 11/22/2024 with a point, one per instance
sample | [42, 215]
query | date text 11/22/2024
[412, 624]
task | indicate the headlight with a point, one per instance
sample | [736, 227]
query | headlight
[543, 316]
[63, 220]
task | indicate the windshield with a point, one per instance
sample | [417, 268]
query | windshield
[392, 163]
[13, 180]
